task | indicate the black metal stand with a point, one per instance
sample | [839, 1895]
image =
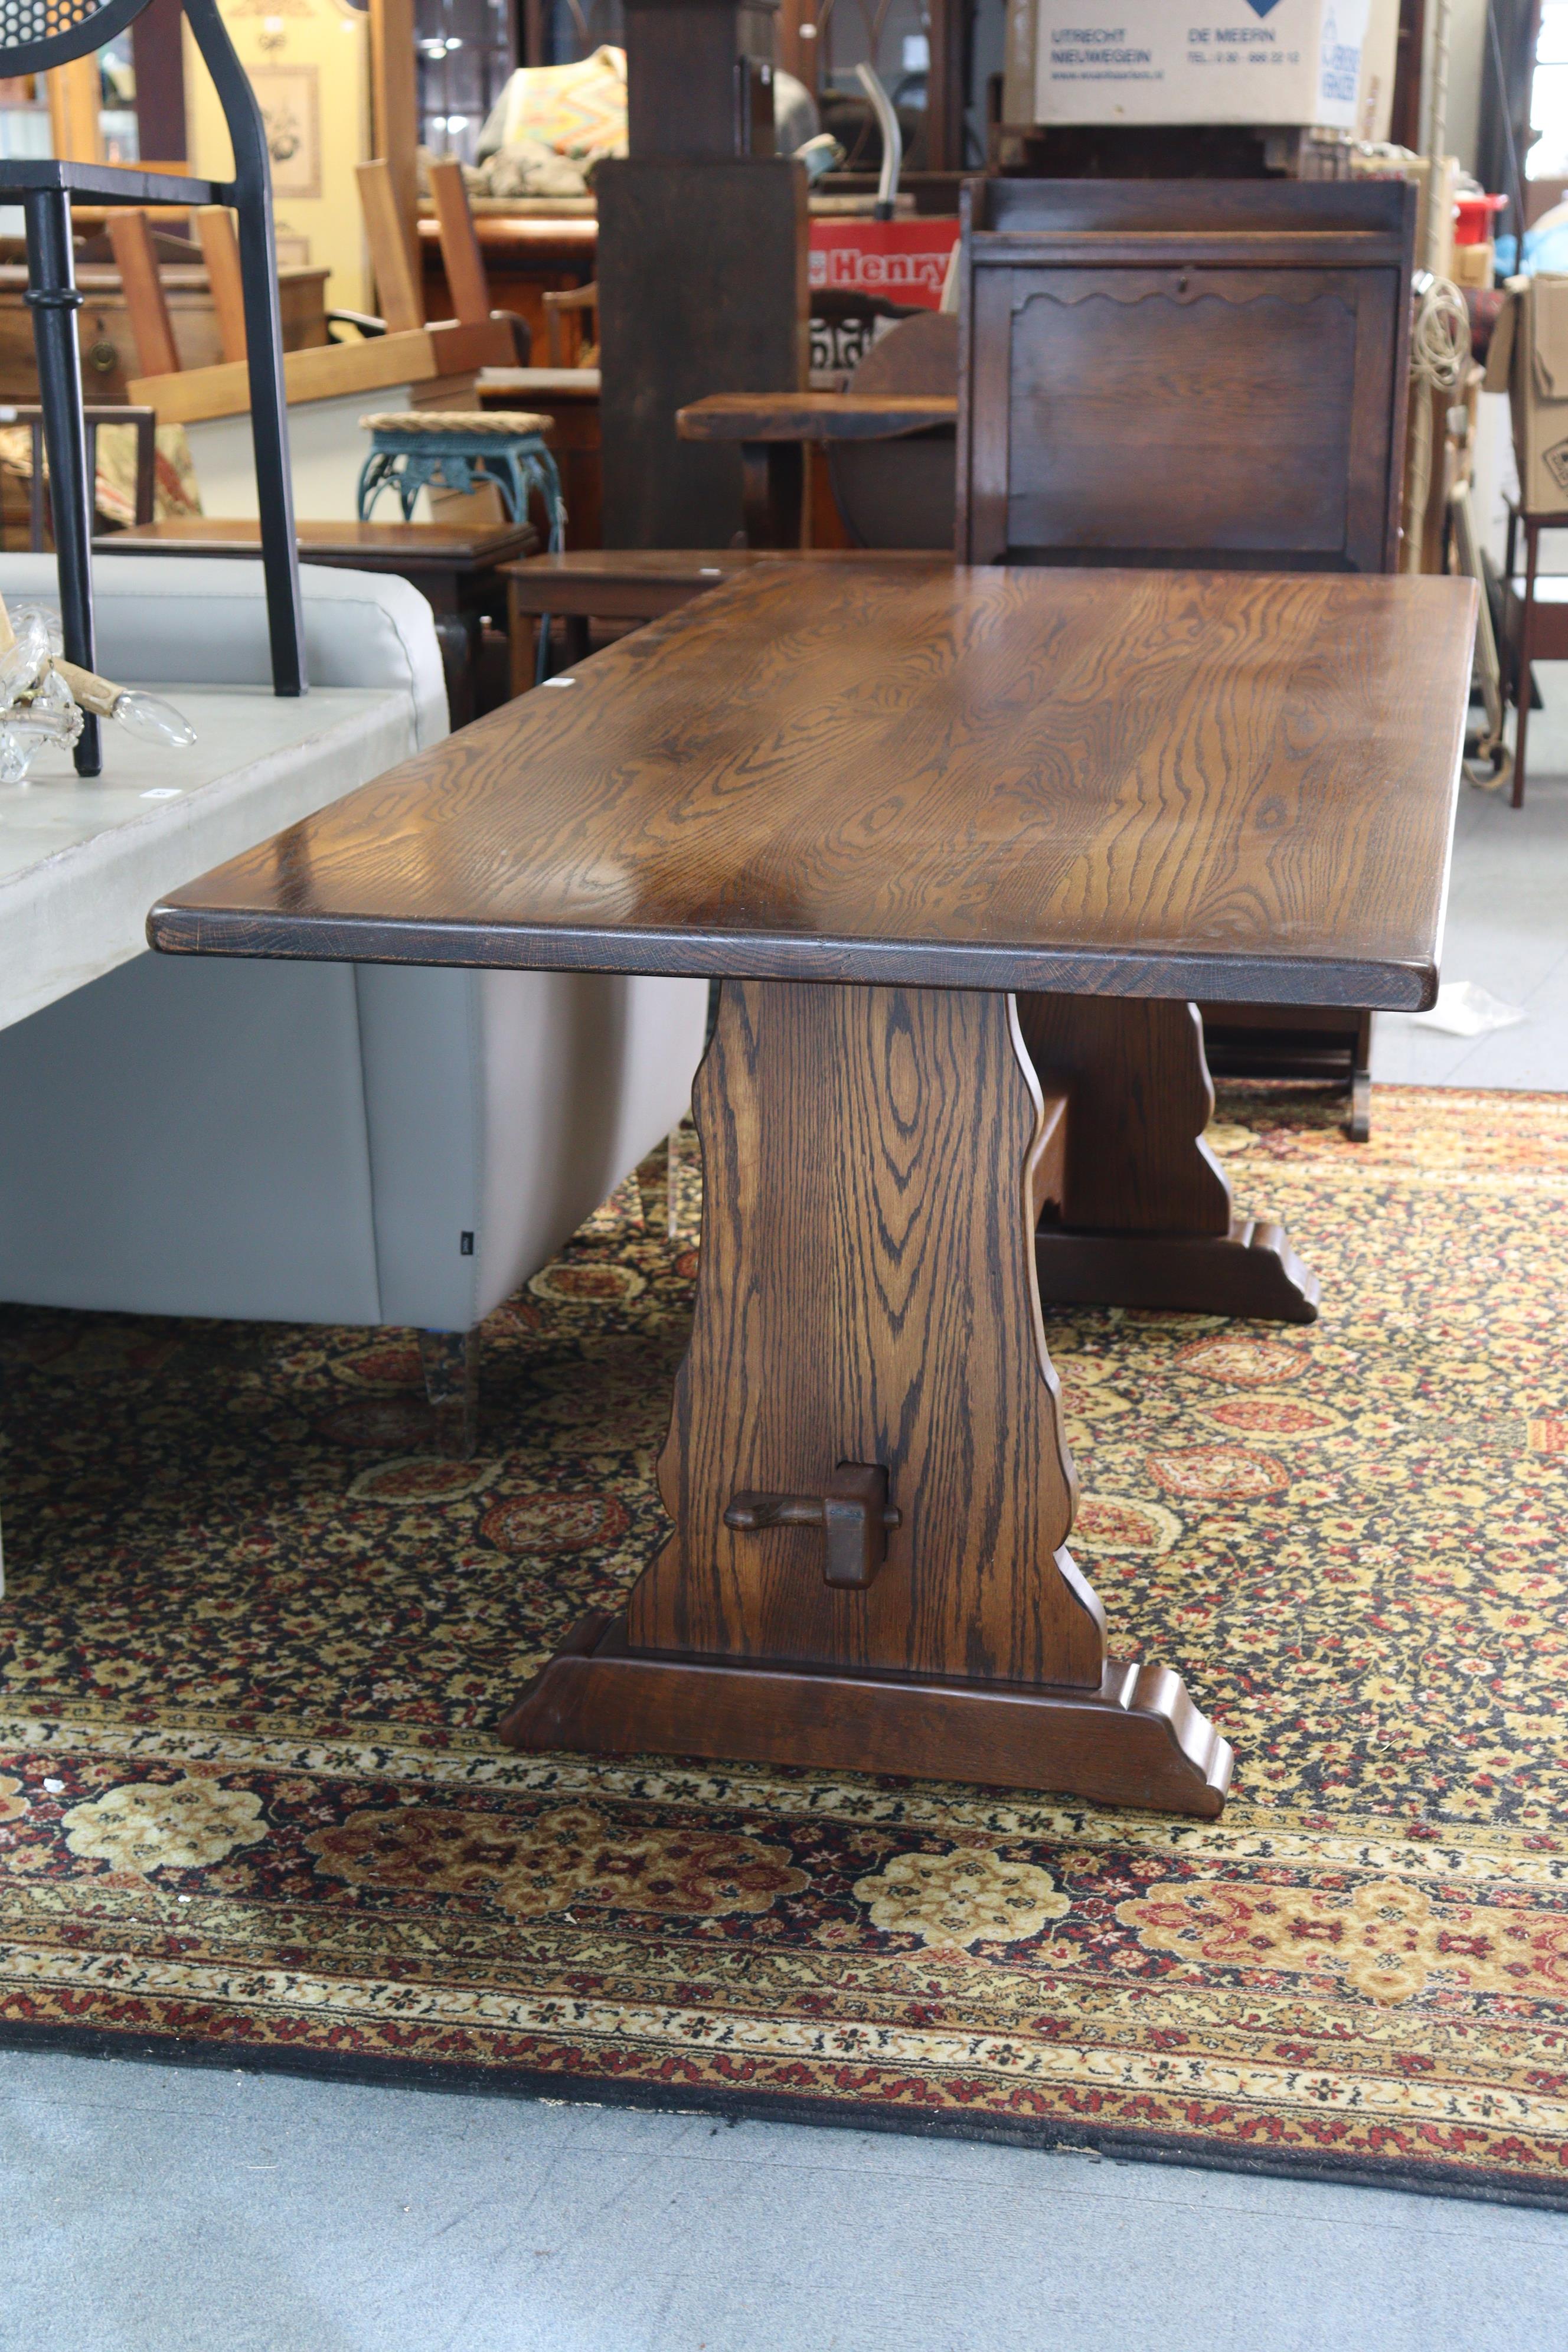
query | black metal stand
[251, 195]
[45, 188]
[54, 301]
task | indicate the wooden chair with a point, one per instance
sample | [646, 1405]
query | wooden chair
[1185, 372]
[1194, 373]
[899, 493]
[143, 421]
[576, 307]
[394, 268]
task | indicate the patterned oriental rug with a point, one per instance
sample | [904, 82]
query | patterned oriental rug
[251, 1807]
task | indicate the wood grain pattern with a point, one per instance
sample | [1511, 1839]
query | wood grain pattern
[866, 1293]
[873, 1163]
[1225, 786]
[544, 583]
[634, 584]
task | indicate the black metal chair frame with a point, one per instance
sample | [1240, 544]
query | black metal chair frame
[74, 28]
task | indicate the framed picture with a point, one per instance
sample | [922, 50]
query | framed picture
[290, 98]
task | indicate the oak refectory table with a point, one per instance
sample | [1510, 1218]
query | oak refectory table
[963, 846]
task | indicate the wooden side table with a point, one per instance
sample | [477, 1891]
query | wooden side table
[1535, 626]
[773, 429]
[570, 398]
[636, 583]
[458, 568]
[879, 803]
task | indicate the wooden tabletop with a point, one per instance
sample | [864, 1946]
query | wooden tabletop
[1225, 786]
[681, 566]
[392, 546]
[814, 415]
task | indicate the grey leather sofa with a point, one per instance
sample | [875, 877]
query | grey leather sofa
[317, 1142]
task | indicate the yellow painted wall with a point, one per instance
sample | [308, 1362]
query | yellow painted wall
[309, 63]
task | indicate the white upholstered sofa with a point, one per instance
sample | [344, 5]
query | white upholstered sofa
[316, 1143]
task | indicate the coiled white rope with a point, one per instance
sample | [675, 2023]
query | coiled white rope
[1440, 336]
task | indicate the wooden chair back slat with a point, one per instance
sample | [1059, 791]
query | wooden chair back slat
[396, 279]
[135, 257]
[1183, 372]
[460, 256]
[220, 251]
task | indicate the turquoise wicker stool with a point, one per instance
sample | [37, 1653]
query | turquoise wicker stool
[456, 449]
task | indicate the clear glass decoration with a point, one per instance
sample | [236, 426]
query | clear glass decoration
[155, 720]
[44, 698]
[37, 706]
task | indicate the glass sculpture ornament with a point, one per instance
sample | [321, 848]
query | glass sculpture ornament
[44, 698]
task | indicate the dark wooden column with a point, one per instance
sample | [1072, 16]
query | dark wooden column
[702, 285]
[158, 57]
[945, 90]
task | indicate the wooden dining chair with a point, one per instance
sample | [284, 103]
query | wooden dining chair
[1185, 372]
[899, 493]
[1200, 373]
[395, 267]
[142, 421]
[571, 327]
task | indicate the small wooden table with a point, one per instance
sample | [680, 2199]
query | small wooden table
[458, 567]
[637, 583]
[879, 803]
[570, 397]
[774, 427]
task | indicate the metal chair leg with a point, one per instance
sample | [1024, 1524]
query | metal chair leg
[451, 1362]
[252, 196]
[54, 301]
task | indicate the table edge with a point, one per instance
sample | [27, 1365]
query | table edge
[1365, 982]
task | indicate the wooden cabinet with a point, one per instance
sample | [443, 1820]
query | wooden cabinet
[103, 324]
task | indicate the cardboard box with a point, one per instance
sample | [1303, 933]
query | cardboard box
[1434, 184]
[1529, 360]
[1327, 64]
[1473, 265]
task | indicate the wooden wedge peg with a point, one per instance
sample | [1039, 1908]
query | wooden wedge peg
[853, 1511]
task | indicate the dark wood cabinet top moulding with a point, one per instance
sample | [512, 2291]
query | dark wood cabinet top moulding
[1223, 785]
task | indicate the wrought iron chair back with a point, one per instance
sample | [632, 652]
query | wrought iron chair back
[35, 35]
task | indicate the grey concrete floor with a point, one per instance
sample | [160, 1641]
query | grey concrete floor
[151, 2208]
[1508, 928]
